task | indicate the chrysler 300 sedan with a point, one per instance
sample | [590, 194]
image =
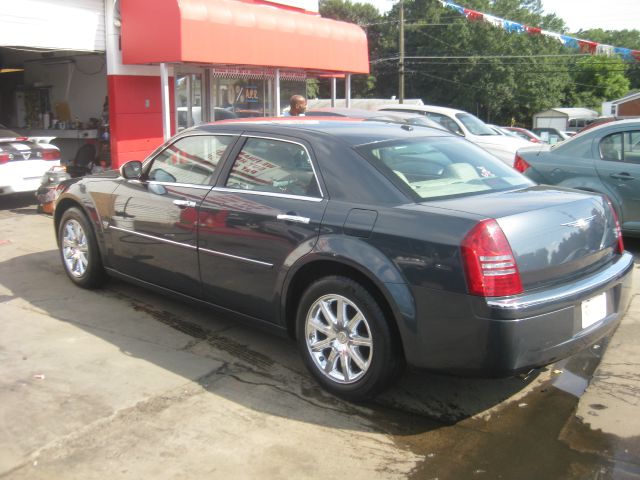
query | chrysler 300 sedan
[373, 245]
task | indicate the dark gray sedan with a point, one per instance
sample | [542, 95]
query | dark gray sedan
[372, 244]
[604, 159]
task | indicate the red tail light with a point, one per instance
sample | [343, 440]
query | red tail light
[520, 164]
[618, 229]
[4, 157]
[489, 263]
[50, 154]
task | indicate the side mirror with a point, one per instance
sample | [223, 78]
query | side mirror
[131, 170]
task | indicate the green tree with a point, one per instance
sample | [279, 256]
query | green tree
[598, 79]
[618, 38]
[369, 18]
[475, 66]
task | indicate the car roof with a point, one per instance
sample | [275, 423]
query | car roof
[423, 108]
[610, 125]
[349, 130]
[341, 112]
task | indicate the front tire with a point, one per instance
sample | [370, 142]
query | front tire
[79, 250]
[345, 340]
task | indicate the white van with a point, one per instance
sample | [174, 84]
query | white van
[468, 126]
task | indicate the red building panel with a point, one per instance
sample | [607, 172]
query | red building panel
[135, 109]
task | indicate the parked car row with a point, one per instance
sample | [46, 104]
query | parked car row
[374, 244]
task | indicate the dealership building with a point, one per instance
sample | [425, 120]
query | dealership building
[124, 75]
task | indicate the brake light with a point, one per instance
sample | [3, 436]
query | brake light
[50, 154]
[489, 264]
[520, 164]
[4, 157]
[618, 229]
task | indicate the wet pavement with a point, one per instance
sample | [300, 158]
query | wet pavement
[426, 427]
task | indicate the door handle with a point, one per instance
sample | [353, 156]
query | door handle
[184, 203]
[621, 176]
[293, 218]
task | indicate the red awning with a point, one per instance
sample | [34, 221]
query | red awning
[237, 33]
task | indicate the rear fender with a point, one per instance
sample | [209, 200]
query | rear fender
[368, 261]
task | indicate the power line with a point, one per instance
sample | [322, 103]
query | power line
[473, 57]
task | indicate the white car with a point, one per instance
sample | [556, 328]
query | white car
[469, 126]
[23, 162]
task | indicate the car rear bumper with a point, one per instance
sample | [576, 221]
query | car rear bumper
[502, 336]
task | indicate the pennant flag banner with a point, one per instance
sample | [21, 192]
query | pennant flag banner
[583, 46]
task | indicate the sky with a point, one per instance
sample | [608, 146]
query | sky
[577, 14]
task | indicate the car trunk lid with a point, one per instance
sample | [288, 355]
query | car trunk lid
[555, 234]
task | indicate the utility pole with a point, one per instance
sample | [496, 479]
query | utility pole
[401, 59]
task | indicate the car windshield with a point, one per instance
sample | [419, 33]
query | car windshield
[475, 125]
[442, 167]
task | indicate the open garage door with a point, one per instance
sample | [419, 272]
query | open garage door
[69, 25]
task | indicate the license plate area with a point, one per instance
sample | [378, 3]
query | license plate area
[594, 309]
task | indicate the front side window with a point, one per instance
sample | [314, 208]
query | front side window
[438, 167]
[266, 165]
[632, 146]
[190, 160]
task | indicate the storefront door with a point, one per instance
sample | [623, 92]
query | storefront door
[189, 100]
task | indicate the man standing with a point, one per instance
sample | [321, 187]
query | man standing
[297, 106]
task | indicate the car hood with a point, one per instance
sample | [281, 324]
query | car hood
[554, 233]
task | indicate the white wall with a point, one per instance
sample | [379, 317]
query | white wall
[54, 24]
[82, 83]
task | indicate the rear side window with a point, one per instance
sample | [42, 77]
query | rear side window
[438, 167]
[266, 165]
[190, 160]
[621, 147]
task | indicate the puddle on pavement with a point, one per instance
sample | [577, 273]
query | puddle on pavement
[536, 437]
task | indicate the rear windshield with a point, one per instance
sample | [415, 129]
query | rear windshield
[438, 167]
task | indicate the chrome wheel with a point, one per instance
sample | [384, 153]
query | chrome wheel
[338, 339]
[75, 248]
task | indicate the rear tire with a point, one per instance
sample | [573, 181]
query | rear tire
[345, 340]
[79, 250]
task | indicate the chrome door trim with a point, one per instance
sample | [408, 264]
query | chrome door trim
[153, 237]
[268, 194]
[192, 247]
[236, 257]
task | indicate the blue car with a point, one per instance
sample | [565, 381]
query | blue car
[604, 159]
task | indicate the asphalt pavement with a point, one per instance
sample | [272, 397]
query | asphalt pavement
[125, 383]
